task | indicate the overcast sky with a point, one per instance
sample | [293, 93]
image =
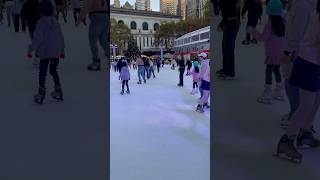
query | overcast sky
[155, 4]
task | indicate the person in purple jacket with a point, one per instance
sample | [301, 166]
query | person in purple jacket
[48, 42]
[273, 36]
[125, 77]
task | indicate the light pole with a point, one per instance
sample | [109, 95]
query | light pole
[161, 51]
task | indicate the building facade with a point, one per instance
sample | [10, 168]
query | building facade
[195, 8]
[143, 24]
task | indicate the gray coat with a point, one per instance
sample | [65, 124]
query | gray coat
[48, 39]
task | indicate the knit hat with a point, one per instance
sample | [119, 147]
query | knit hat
[275, 8]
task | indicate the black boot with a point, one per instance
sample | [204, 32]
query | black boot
[287, 150]
[40, 96]
[57, 93]
[306, 139]
[200, 108]
[95, 66]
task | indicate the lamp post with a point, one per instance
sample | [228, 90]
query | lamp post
[161, 51]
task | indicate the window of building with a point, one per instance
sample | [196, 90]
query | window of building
[204, 35]
[156, 27]
[145, 26]
[133, 25]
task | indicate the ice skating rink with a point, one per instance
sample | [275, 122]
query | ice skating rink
[155, 132]
[56, 141]
[245, 132]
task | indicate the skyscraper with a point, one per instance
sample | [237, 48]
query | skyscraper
[148, 5]
[140, 5]
[169, 6]
[117, 3]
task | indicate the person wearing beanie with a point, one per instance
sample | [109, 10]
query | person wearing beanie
[48, 42]
[98, 28]
[305, 75]
[254, 9]
[273, 36]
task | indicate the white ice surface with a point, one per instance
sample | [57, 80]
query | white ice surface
[155, 132]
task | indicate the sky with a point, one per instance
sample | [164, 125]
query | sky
[155, 4]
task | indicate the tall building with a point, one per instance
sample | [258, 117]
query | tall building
[195, 8]
[140, 5]
[148, 5]
[169, 6]
[116, 4]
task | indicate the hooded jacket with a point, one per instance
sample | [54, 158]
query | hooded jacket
[48, 39]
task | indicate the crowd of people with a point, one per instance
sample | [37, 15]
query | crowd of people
[146, 68]
[291, 38]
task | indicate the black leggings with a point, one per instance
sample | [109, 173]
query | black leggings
[125, 82]
[275, 69]
[44, 63]
[76, 13]
[195, 85]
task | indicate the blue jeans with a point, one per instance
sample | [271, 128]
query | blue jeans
[293, 96]
[141, 72]
[9, 15]
[98, 31]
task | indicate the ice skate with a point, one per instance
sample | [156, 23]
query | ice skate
[144, 81]
[139, 82]
[285, 120]
[57, 94]
[94, 66]
[193, 92]
[36, 62]
[254, 41]
[200, 108]
[128, 91]
[206, 105]
[246, 42]
[122, 92]
[40, 96]
[306, 139]
[287, 151]
[265, 98]
[278, 94]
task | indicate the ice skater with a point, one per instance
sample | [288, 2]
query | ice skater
[254, 9]
[48, 42]
[189, 65]
[196, 79]
[205, 84]
[181, 69]
[141, 70]
[60, 7]
[273, 36]
[152, 68]
[75, 5]
[125, 77]
[306, 76]
[8, 5]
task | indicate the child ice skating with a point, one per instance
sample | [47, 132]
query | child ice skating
[125, 77]
[273, 36]
[196, 79]
[48, 42]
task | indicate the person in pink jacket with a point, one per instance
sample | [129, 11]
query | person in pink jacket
[273, 36]
[306, 76]
[196, 78]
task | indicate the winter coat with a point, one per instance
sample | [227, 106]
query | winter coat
[310, 48]
[31, 13]
[125, 74]
[205, 70]
[299, 18]
[195, 75]
[48, 39]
